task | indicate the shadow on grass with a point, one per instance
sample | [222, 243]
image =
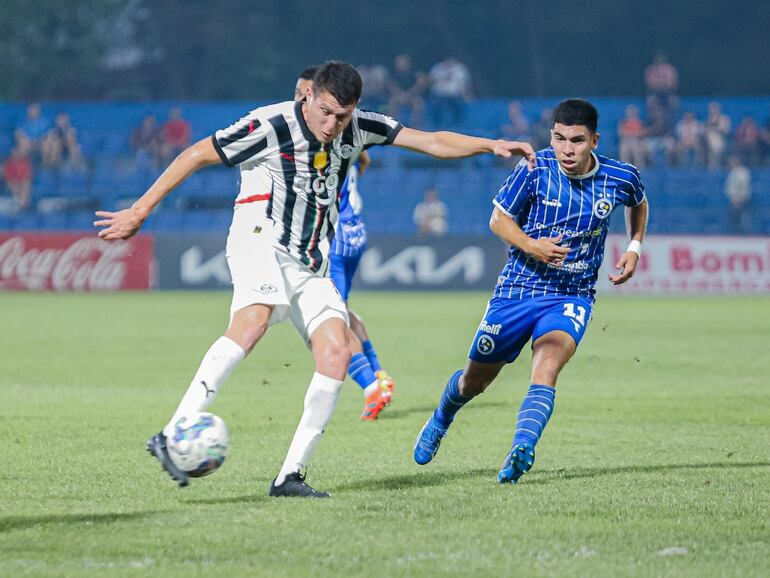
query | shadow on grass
[421, 479]
[10, 523]
[425, 478]
[248, 499]
[548, 476]
[426, 410]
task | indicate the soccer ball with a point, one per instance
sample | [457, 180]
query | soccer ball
[199, 444]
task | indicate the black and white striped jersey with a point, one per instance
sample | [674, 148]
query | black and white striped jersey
[280, 158]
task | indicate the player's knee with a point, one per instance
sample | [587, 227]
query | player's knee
[333, 359]
[546, 371]
[248, 333]
[472, 385]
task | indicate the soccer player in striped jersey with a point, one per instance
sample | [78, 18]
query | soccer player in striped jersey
[347, 249]
[555, 218]
[295, 154]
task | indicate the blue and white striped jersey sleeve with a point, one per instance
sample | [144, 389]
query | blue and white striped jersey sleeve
[634, 190]
[517, 190]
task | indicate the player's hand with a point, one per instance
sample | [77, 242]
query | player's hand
[627, 266]
[547, 250]
[121, 224]
[508, 148]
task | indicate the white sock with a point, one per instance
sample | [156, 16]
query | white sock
[219, 361]
[320, 400]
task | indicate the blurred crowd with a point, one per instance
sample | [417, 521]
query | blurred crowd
[661, 132]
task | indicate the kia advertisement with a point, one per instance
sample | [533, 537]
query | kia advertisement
[669, 264]
[73, 262]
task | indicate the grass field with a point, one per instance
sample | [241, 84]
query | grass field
[656, 462]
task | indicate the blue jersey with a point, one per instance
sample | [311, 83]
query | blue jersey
[350, 235]
[545, 202]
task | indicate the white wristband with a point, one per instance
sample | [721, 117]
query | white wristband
[635, 247]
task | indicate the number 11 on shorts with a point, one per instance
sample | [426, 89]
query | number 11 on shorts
[576, 313]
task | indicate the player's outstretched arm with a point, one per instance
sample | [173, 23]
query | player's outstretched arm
[545, 250]
[636, 225]
[124, 224]
[452, 145]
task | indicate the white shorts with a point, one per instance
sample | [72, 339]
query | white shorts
[263, 274]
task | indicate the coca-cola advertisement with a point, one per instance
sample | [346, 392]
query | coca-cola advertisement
[73, 262]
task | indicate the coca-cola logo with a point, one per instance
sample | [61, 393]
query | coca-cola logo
[86, 264]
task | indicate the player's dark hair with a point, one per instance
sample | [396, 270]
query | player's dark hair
[575, 111]
[308, 73]
[340, 80]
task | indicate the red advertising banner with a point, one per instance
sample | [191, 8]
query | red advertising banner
[73, 262]
[693, 265]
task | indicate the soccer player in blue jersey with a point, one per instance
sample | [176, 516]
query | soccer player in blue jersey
[555, 218]
[345, 254]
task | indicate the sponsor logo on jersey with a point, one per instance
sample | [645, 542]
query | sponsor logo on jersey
[488, 328]
[559, 230]
[267, 288]
[602, 208]
[574, 267]
[323, 186]
[553, 203]
[485, 345]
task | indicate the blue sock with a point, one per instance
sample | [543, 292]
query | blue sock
[451, 400]
[371, 355]
[360, 370]
[534, 413]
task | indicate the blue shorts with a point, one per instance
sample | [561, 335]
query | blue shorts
[509, 324]
[342, 270]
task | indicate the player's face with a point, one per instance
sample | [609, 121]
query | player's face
[300, 91]
[326, 118]
[573, 145]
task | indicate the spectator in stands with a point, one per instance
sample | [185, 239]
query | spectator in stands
[541, 130]
[175, 135]
[662, 80]
[517, 127]
[659, 139]
[631, 132]
[60, 147]
[430, 215]
[716, 130]
[405, 90]
[450, 88]
[31, 132]
[746, 141]
[689, 140]
[145, 141]
[375, 86]
[17, 173]
[738, 192]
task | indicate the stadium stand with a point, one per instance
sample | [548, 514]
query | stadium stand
[684, 200]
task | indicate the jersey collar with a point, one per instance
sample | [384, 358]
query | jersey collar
[306, 132]
[590, 173]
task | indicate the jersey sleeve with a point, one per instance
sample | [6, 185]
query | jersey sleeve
[246, 140]
[634, 190]
[376, 128]
[516, 190]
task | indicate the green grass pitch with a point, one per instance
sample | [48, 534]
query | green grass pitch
[655, 463]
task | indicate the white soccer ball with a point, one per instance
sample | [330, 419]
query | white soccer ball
[198, 444]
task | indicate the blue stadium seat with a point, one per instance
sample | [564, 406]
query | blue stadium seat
[57, 221]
